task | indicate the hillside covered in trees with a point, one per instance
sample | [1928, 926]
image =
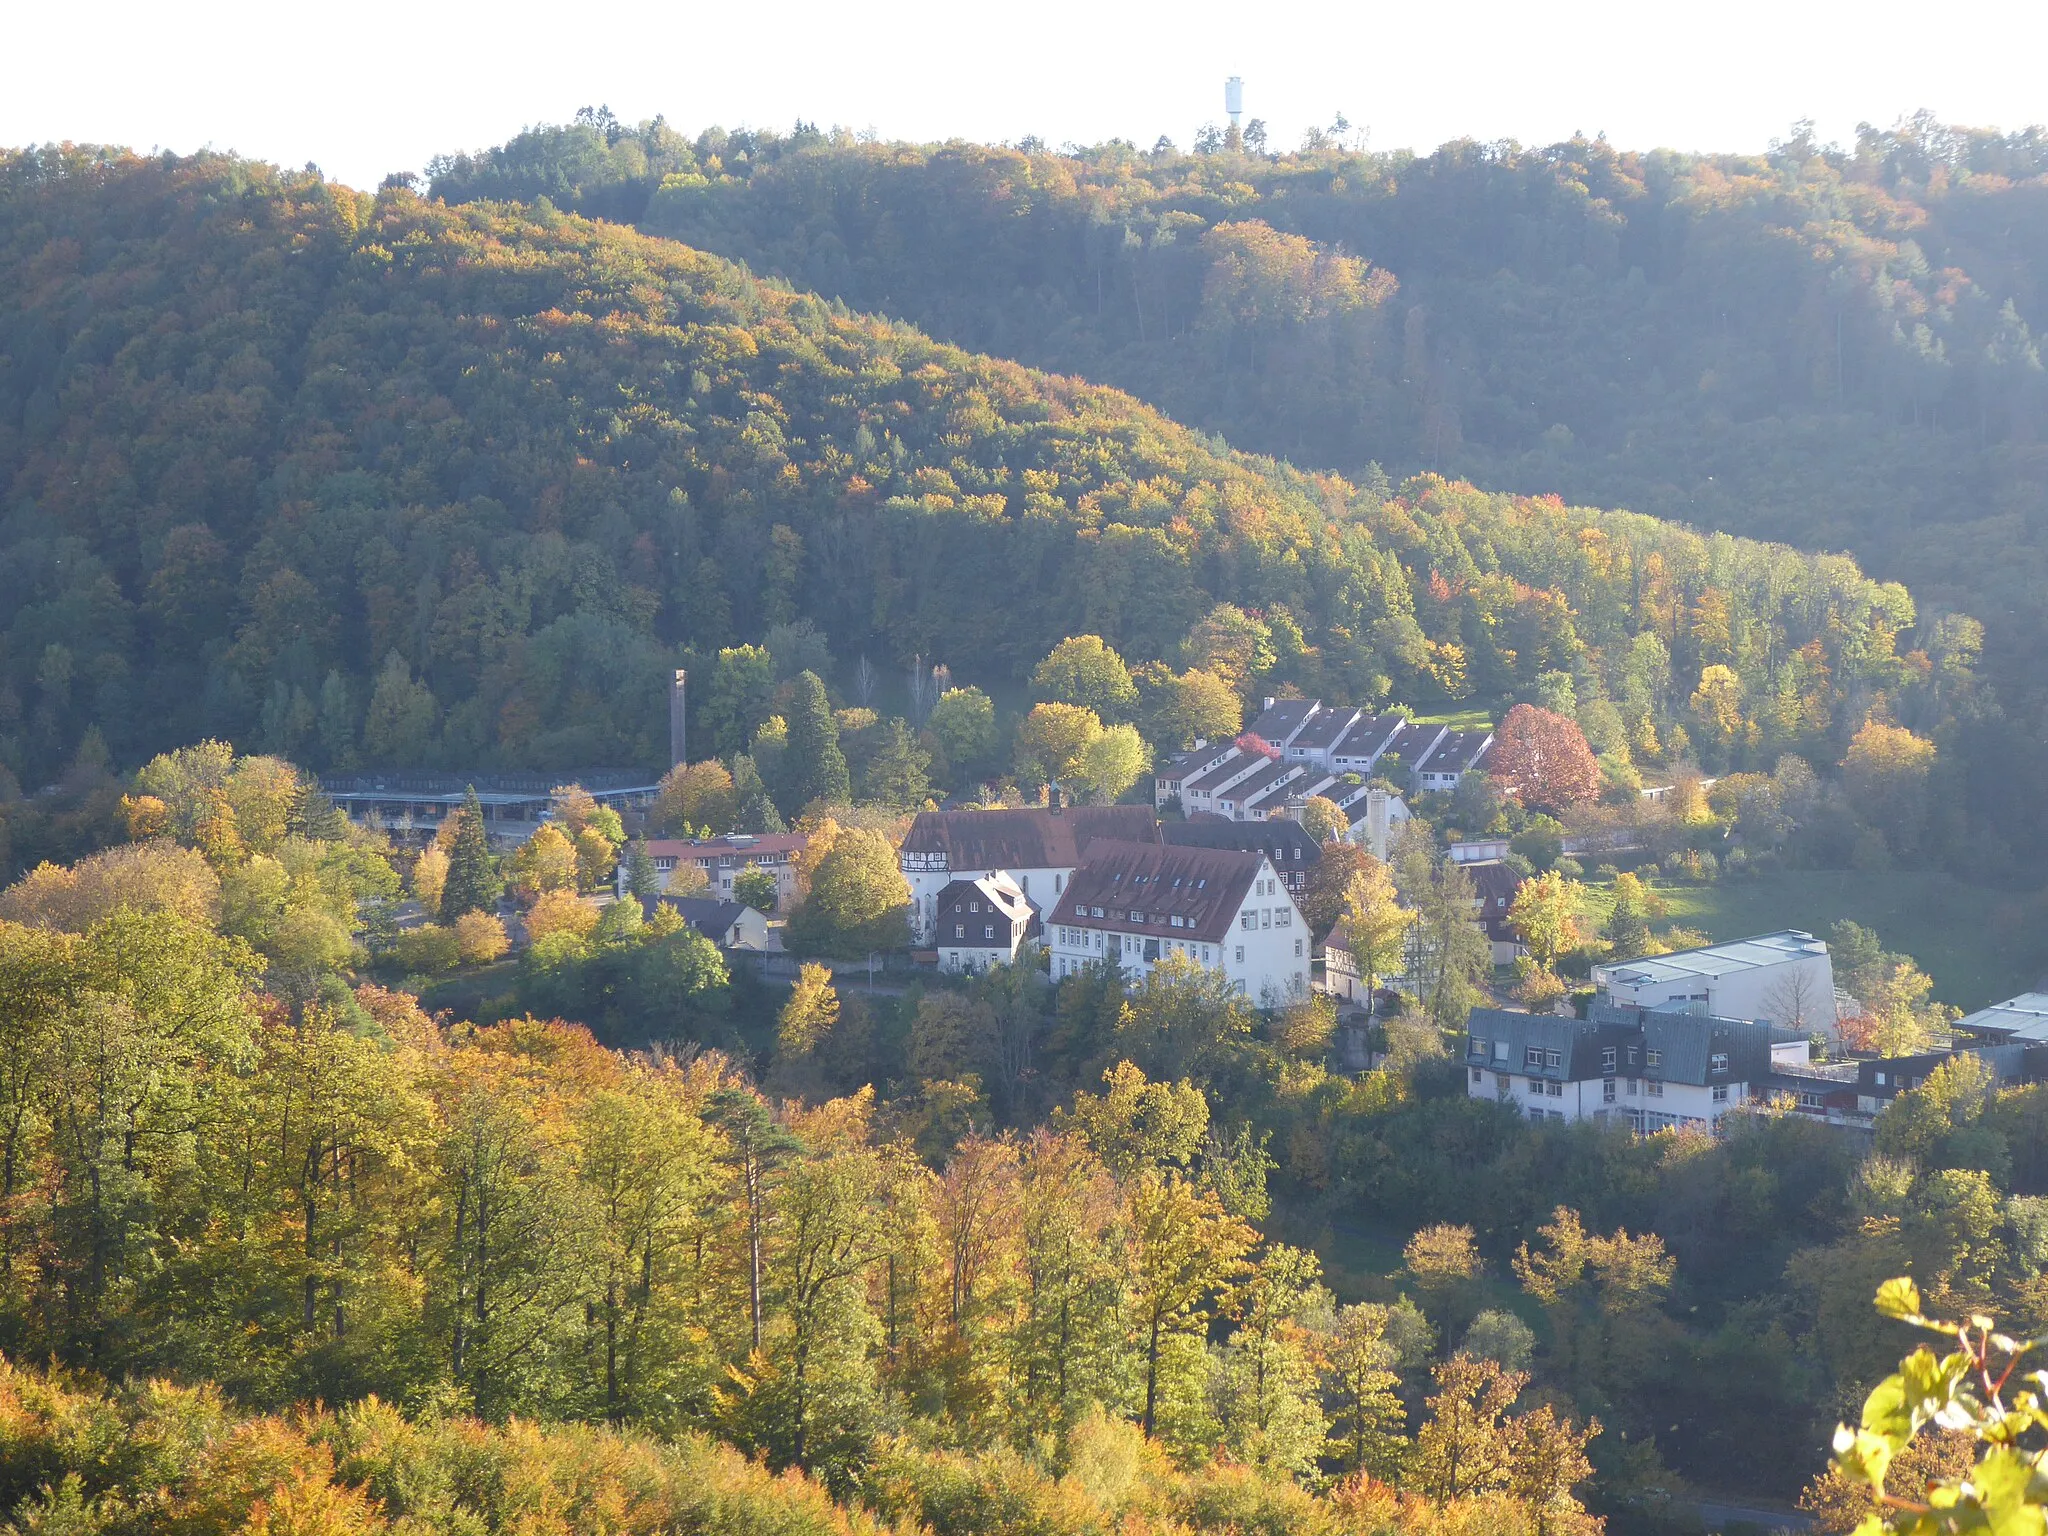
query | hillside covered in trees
[377, 481]
[1835, 348]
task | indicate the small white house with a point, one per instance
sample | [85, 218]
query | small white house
[1135, 904]
[981, 923]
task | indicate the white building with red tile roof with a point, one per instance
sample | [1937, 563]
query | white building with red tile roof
[1135, 904]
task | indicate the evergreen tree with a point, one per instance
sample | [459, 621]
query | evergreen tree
[814, 767]
[473, 883]
[642, 879]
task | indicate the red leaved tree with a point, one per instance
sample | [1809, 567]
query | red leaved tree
[1250, 742]
[1543, 758]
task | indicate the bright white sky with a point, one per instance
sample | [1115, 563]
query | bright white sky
[380, 85]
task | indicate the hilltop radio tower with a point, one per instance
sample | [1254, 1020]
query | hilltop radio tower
[1233, 99]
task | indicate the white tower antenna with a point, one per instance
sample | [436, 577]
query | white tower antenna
[1233, 99]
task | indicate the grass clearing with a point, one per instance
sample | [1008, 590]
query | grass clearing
[1979, 944]
[1459, 719]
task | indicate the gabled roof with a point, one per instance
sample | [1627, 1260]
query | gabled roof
[1494, 883]
[1142, 887]
[1368, 735]
[1322, 730]
[1194, 759]
[1282, 718]
[1458, 751]
[1284, 842]
[709, 916]
[1238, 762]
[1263, 780]
[999, 896]
[1032, 838]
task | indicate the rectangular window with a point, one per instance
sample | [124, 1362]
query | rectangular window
[1555, 1090]
[1607, 1059]
[1476, 1047]
[1656, 1089]
[1653, 1058]
[1500, 1050]
[1248, 921]
[988, 930]
[1634, 1087]
[1297, 949]
[1536, 1114]
[1283, 916]
[1532, 1057]
[1553, 1058]
[959, 930]
[1719, 1061]
[1720, 1093]
[1266, 917]
[1607, 1091]
[1478, 1076]
[1240, 954]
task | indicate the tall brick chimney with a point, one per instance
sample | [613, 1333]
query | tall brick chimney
[678, 751]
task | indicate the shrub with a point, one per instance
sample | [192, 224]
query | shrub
[427, 950]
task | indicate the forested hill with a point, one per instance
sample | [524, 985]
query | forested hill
[376, 480]
[1832, 348]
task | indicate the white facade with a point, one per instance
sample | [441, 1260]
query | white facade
[1264, 950]
[990, 932]
[1648, 1104]
[1785, 978]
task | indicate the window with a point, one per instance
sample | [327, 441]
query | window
[1654, 1088]
[1248, 921]
[1266, 917]
[1536, 1115]
[1607, 1091]
[1095, 911]
[1719, 1061]
[1653, 1058]
[1720, 1093]
[1297, 949]
[1283, 916]
[1478, 1076]
[1631, 1055]
[1500, 1050]
[1634, 1086]
[1057, 881]
[1476, 1047]
[959, 930]
[1607, 1059]
[974, 906]
[1555, 1090]
[1080, 911]
[1532, 1057]
[1553, 1058]
[988, 930]
[1240, 954]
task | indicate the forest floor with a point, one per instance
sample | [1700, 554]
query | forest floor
[1979, 944]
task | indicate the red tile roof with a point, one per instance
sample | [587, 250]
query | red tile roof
[1142, 887]
[1033, 838]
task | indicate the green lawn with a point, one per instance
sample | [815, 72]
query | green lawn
[1978, 944]
[1459, 719]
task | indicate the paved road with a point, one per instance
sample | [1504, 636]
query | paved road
[1718, 1516]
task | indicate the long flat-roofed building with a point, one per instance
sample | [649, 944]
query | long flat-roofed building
[1784, 978]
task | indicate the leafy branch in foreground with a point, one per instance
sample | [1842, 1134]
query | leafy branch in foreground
[1964, 1392]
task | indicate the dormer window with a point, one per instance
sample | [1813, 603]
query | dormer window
[1718, 1062]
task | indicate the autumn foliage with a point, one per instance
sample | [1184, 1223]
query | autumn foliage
[1543, 758]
